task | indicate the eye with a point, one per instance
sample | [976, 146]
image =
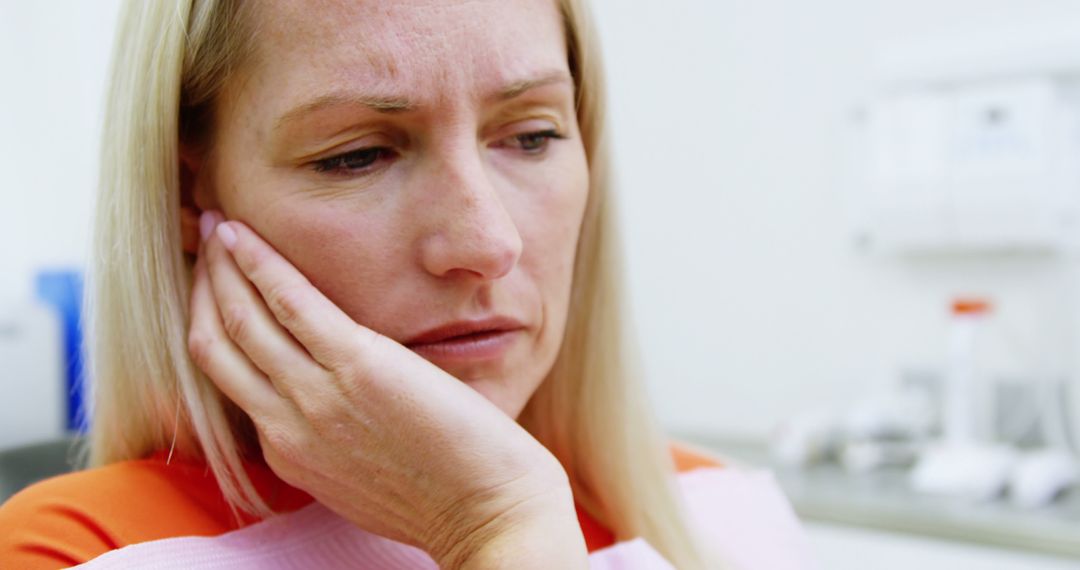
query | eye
[357, 161]
[532, 143]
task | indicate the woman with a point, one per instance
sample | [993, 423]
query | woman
[341, 247]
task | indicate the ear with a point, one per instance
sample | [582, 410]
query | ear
[195, 196]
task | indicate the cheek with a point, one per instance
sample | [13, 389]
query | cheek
[550, 226]
[352, 257]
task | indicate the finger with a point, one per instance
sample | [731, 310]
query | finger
[219, 358]
[249, 323]
[303, 310]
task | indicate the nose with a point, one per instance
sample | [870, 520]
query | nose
[470, 230]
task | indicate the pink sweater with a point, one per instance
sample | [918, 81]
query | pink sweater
[740, 513]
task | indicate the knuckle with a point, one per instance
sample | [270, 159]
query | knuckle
[280, 448]
[285, 302]
[274, 438]
[368, 339]
[200, 347]
[237, 322]
[365, 344]
[317, 409]
[356, 362]
[355, 388]
[344, 362]
[327, 413]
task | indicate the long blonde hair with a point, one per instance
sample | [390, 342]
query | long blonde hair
[171, 61]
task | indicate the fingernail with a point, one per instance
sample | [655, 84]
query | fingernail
[226, 235]
[206, 224]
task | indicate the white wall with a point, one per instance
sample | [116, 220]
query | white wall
[53, 60]
[732, 120]
[734, 132]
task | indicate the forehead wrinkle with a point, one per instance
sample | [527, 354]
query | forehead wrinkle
[386, 67]
[396, 105]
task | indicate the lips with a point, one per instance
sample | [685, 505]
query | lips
[461, 330]
[481, 339]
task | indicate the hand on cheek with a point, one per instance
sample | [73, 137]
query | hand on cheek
[367, 427]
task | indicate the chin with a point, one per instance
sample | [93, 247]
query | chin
[496, 391]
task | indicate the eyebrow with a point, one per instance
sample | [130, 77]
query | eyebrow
[518, 88]
[394, 105]
[385, 105]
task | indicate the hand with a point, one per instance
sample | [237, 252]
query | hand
[368, 428]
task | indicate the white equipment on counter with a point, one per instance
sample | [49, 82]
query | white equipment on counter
[974, 472]
[1040, 476]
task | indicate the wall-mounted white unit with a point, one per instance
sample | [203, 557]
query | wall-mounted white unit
[972, 146]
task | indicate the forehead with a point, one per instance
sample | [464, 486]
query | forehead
[425, 49]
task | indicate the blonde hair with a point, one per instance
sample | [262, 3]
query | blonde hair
[171, 61]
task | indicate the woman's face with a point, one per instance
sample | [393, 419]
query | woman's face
[420, 162]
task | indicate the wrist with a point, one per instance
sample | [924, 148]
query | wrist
[541, 544]
[542, 532]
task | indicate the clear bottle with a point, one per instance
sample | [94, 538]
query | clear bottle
[961, 390]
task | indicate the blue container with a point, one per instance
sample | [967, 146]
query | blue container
[63, 290]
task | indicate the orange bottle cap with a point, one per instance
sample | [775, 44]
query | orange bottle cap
[970, 306]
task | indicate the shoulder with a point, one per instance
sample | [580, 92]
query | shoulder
[73, 518]
[742, 510]
[746, 517]
[688, 457]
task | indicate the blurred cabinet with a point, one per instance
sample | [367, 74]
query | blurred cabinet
[973, 144]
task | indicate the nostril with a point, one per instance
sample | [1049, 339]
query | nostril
[506, 264]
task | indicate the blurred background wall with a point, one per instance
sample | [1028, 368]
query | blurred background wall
[53, 60]
[736, 139]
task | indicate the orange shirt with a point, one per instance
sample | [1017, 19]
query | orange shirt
[73, 518]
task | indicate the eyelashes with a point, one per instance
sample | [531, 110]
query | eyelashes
[363, 161]
[354, 160]
[535, 142]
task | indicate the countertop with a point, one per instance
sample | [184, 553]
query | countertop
[883, 500]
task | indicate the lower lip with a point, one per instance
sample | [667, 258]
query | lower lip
[483, 346]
